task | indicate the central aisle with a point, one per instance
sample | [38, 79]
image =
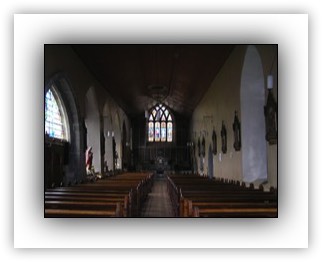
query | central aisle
[158, 202]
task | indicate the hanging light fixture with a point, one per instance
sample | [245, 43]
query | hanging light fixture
[158, 92]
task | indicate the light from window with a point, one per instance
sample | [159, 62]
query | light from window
[169, 132]
[151, 131]
[157, 132]
[163, 132]
[53, 117]
[160, 125]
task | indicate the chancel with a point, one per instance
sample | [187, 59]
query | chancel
[160, 130]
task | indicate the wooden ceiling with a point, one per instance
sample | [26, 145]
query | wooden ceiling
[184, 73]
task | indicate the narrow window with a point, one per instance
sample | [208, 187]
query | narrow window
[169, 132]
[163, 132]
[157, 132]
[55, 119]
[151, 131]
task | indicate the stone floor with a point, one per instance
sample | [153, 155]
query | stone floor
[158, 202]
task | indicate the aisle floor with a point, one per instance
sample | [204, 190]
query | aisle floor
[158, 203]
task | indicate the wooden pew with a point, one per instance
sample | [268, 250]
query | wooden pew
[114, 207]
[87, 202]
[233, 212]
[67, 194]
[114, 196]
[228, 209]
[194, 196]
[62, 213]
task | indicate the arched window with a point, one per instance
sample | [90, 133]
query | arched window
[55, 117]
[160, 124]
[252, 102]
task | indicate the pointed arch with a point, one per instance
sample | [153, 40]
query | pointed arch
[252, 100]
[73, 165]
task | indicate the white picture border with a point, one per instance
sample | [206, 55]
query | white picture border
[289, 31]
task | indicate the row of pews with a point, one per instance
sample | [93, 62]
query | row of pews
[195, 196]
[116, 196]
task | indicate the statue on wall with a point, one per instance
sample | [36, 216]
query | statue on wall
[115, 156]
[223, 138]
[203, 147]
[89, 160]
[214, 142]
[199, 147]
[270, 111]
[237, 135]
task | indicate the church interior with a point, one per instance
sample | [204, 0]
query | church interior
[160, 130]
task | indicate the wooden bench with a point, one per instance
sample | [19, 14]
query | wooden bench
[227, 209]
[115, 196]
[84, 205]
[193, 196]
[87, 202]
[62, 213]
[233, 212]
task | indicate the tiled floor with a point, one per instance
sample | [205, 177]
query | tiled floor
[158, 203]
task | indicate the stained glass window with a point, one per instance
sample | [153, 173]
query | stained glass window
[160, 124]
[169, 138]
[163, 132]
[151, 131]
[157, 132]
[54, 117]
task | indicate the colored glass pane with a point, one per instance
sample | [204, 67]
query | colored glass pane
[169, 132]
[157, 132]
[163, 132]
[53, 119]
[151, 131]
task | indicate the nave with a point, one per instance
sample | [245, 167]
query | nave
[160, 130]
